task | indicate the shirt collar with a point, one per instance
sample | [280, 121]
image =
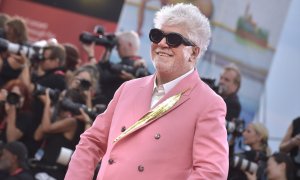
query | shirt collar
[169, 85]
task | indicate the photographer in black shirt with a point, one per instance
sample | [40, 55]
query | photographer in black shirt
[112, 75]
[14, 30]
[229, 84]
[44, 72]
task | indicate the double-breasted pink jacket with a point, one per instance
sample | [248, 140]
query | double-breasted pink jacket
[188, 142]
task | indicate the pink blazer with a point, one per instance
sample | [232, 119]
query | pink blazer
[189, 142]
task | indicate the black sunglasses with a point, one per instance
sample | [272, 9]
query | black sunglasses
[173, 39]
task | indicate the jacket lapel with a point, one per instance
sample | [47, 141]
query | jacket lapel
[186, 85]
[144, 96]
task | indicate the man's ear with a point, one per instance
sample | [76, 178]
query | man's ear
[195, 53]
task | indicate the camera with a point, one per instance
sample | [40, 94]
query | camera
[13, 98]
[68, 105]
[41, 90]
[236, 126]
[219, 89]
[254, 163]
[84, 84]
[99, 38]
[33, 52]
[136, 71]
[244, 164]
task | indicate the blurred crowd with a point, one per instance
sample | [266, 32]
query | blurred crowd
[49, 97]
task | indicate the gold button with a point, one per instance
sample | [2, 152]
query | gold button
[157, 136]
[141, 168]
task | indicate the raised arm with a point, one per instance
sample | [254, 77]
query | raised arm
[288, 142]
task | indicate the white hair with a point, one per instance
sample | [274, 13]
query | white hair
[130, 37]
[189, 17]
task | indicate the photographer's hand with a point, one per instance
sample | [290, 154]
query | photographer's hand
[295, 141]
[17, 61]
[250, 176]
[89, 49]
[126, 75]
[89, 95]
[45, 98]
[140, 63]
[3, 94]
[85, 118]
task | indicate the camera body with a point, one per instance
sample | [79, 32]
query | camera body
[84, 84]
[136, 71]
[212, 84]
[251, 161]
[68, 105]
[41, 90]
[99, 37]
[235, 126]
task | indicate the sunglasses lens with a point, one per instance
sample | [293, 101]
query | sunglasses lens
[156, 35]
[174, 40]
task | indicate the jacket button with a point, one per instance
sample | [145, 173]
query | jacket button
[141, 168]
[111, 161]
[157, 136]
[123, 129]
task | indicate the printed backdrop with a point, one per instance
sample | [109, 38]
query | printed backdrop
[244, 32]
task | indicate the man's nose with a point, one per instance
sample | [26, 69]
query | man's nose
[163, 42]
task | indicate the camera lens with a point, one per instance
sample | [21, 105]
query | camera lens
[85, 84]
[13, 98]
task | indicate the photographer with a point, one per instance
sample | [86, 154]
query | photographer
[59, 132]
[13, 162]
[253, 160]
[280, 167]
[85, 79]
[229, 85]
[73, 60]
[47, 73]
[17, 114]
[11, 68]
[11, 65]
[290, 144]
[64, 121]
[113, 75]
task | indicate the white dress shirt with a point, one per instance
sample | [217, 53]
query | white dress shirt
[161, 90]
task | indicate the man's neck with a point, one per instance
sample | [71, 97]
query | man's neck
[164, 78]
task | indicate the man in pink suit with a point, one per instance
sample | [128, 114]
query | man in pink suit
[168, 126]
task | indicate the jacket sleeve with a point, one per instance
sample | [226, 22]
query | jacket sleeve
[92, 145]
[210, 146]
